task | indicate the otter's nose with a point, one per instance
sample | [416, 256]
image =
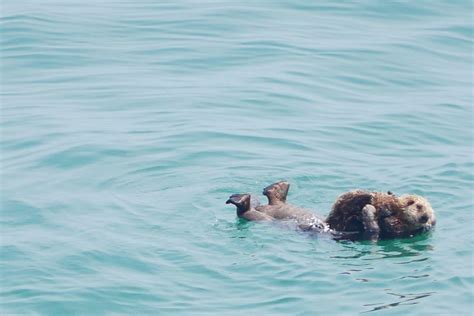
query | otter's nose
[423, 219]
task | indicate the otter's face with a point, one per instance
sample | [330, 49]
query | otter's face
[277, 190]
[417, 213]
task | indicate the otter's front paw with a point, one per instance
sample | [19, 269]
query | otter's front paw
[371, 227]
[368, 213]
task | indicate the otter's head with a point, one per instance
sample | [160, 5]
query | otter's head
[241, 201]
[417, 214]
[276, 192]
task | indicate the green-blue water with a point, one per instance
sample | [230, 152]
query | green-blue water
[125, 125]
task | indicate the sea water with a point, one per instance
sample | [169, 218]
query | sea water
[125, 126]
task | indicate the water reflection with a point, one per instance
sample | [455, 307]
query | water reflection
[395, 248]
[403, 299]
[408, 258]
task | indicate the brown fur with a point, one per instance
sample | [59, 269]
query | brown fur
[397, 216]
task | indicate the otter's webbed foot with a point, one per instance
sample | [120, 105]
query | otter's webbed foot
[371, 227]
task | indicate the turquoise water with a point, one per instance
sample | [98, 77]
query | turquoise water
[127, 124]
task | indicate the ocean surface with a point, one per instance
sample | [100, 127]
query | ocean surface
[125, 126]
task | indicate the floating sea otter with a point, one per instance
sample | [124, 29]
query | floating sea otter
[355, 215]
[377, 215]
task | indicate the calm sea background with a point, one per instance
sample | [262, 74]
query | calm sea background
[125, 125]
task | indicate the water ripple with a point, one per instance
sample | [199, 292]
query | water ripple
[125, 125]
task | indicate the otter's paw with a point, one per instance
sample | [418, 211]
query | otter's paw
[368, 213]
[371, 227]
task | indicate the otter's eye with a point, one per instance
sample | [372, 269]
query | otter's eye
[410, 202]
[419, 207]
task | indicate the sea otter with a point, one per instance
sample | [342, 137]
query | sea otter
[377, 215]
[279, 209]
[245, 210]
